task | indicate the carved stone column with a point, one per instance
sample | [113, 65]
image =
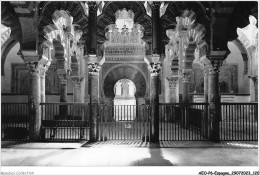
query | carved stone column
[42, 72]
[63, 87]
[77, 96]
[34, 102]
[154, 101]
[63, 94]
[206, 93]
[94, 100]
[214, 99]
[186, 77]
[205, 122]
[174, 91]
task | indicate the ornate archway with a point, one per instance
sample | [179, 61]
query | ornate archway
[124, 71]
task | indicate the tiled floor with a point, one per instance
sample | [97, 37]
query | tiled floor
[130, 153]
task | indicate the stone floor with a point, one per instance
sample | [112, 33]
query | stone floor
[130, 153]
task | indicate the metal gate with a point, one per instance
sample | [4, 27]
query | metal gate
[14, 121]
[65, 121]
[183, 122]
[124, 122]
[239, 121]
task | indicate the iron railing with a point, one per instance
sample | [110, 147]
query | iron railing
[239, 121]
[70, 121]
[181, 122]
[124, 122]
[65, 121]
[15, 121]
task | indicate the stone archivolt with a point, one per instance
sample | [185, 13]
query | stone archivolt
[184, 39]
[64, 37]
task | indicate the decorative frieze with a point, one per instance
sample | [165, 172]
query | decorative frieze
[125, 51]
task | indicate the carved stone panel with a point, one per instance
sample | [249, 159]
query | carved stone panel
[228, 79]
[20, 79]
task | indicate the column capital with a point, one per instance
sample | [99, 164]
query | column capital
[42, 70]
[63, 76]
[76, 81]
[173, 81]
[186, 75]
[155, 68]
[214, 66]
[92, 5]
[205, 65]
[155, 5]
[94, 68]
[33, 67]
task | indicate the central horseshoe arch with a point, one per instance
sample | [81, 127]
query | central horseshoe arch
[125, 71]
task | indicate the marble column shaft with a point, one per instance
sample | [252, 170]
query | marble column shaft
[63, 96]
[174, 91]
[214, 102]
[94, 100]
[34, 104]
[154, 100]
[205, 122]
